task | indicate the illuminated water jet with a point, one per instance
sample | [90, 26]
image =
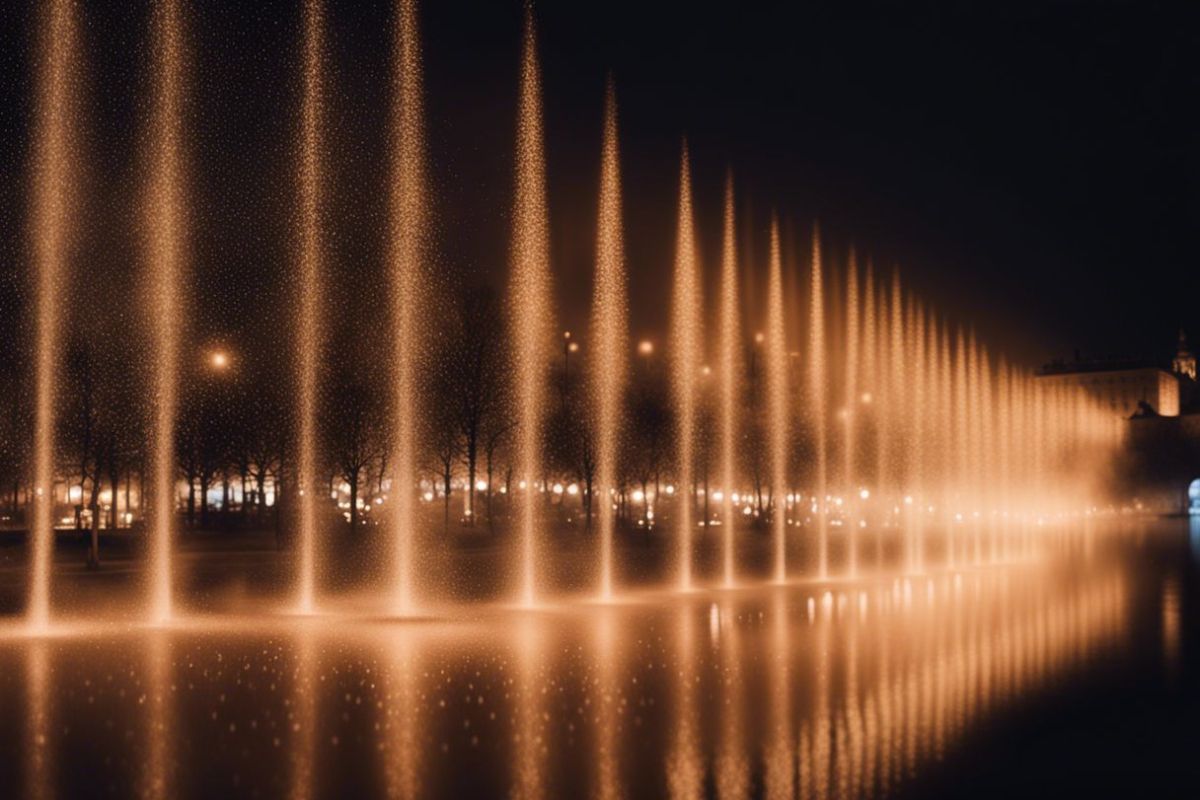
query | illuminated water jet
[308, 322]
[165, 263]
[609, 337]
[685, 366]
[850, 409]
[54, 171]
[778, 435]
[730, 377]
[817, 388]
[407, 225]
[529, 299]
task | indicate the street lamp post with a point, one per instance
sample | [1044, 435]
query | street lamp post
[568, 348]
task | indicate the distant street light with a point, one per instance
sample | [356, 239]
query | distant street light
[645, 347]
[219, 359]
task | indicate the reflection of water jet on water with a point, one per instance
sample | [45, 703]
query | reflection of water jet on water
[302, 718]
[39, 754]
[732, 767]
[402, 774]
[685, 769]
[779, 764]
[529, 737]
[157, 782]
[607, 702]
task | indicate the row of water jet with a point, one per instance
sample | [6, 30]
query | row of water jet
[938, 439]
[938, 436]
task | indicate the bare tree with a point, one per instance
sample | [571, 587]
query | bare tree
[357, 438]
[477, 363]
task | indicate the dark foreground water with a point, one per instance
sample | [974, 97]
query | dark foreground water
[1073, 677]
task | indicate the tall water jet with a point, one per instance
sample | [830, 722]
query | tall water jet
[308, 323]
[868, 382]
[882, 402]
[962, 453]
[777, 404]
[849, 413]
[686, 356]
[729, 341]
[897, 416]
[609, 323]
[165, 264]
[53, 174]
[529, 298]
[407, 225]
[816, 390]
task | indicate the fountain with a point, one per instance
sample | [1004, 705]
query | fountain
[685, 365]
[408, 224]
[529, 297]
[962, 466]
[308, 321]
[608, 332]
[164, 264]
[54, 175]
[939, 446]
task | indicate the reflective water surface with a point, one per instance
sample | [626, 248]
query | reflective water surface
[844, 690]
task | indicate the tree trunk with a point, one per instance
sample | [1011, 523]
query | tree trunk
[113, 516]
[353, 501]
[278, 509]
[446, 500]
[488, 496]
[128, 483]
[191, 507]
[203, 502]
[471, 462]
[260, 491]
[244, 508]
[94, 506]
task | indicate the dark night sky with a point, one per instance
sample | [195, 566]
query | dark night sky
[1030, 167]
